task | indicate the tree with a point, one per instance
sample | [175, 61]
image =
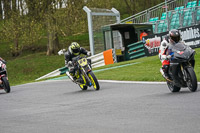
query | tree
[6, 8]
[53, 41]
[25, 20]
[14, 6]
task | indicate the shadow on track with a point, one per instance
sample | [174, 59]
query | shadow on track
[81, 91]
[182, 92]
[1, 93]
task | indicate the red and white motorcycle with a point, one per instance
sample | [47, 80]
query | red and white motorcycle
[4, 83]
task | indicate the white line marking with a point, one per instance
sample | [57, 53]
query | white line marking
[104, 81]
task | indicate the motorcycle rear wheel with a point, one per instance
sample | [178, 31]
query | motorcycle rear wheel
[94, 80]
[172, 87]
[191, 79]
[6, 84]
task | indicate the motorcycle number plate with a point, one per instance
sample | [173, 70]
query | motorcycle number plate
[83, 62]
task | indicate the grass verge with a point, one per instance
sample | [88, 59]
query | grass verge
[28, 68]
[147, 70]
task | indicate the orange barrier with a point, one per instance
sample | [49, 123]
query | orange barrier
[108, 57]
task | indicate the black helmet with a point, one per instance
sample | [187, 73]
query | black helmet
[174, 35]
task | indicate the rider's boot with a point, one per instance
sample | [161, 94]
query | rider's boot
[164, 72]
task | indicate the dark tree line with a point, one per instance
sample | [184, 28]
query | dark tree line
[24, 22]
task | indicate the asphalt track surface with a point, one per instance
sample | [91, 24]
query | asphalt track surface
[61, 107]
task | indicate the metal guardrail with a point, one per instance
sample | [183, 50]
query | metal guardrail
[97, 61]
[161, 18]
[194, 18]
[156, 11]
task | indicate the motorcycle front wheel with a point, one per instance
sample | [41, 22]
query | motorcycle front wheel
[191, 79]
[94, 80]
[6, 84]
[83, 86]
[172, 87]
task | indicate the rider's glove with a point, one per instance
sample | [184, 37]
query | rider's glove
[62, 51]
[88, 53]
[69, 63]
[169, 57]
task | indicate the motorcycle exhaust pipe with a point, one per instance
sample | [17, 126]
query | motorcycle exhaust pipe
[69, 76]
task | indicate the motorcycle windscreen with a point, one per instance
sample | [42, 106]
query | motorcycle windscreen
[182, 53]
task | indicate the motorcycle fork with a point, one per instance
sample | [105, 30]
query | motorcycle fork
[184, 73]
[86, 76]
[77, 74]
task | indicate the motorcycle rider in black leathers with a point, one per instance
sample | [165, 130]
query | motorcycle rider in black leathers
[73, 51]
[174, 38]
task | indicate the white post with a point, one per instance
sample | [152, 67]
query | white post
[90, 24]
[89, 16]
[117, 14]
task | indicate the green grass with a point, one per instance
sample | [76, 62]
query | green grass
[147, 70]
[27, 68]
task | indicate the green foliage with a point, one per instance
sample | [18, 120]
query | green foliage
[21, 31]
[45, 20]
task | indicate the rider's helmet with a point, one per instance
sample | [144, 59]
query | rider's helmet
[174, 36]
[75, 48]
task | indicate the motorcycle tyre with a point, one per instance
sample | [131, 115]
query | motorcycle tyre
[172, 87]
[94, 80]
[193, 84]
[83, 87]
[6, 84]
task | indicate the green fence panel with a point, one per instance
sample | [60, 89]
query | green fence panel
[136, 50]
[137, 56]
[134, 44]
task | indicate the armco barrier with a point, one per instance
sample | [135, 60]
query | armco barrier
[97, 60]
[101, 59]
[56, 72]
[136, 50]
